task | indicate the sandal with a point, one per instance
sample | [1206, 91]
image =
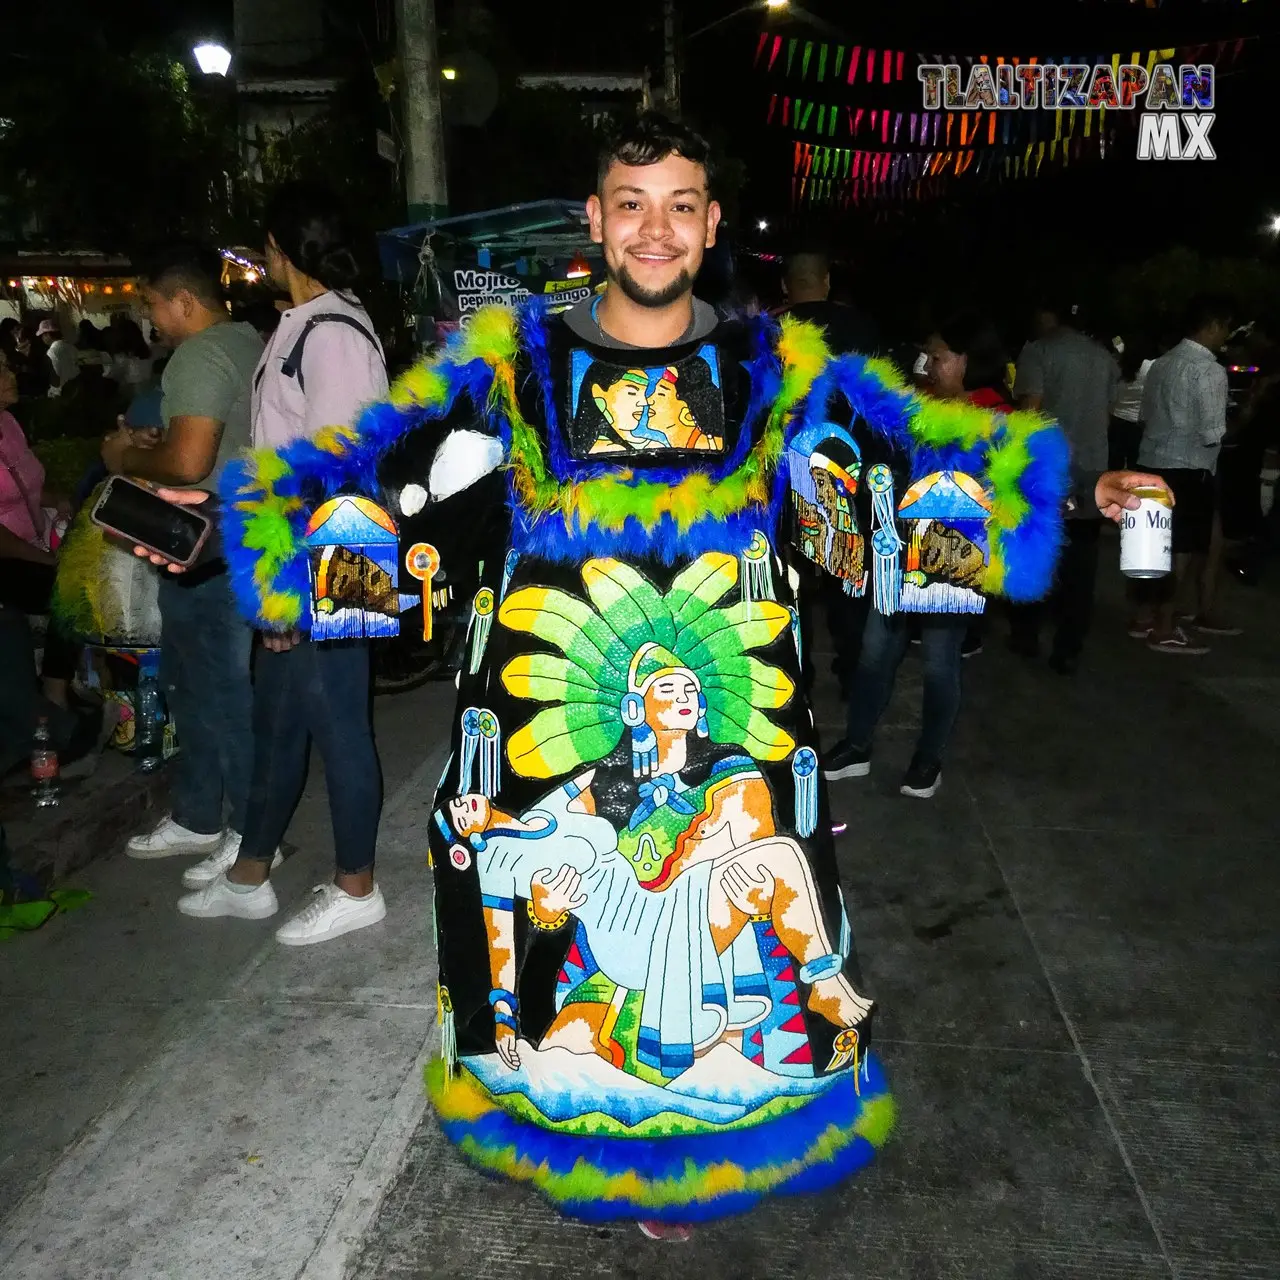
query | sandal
[671, 1232]
[1178, 643]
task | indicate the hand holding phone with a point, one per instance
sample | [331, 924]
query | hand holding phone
[164, 526]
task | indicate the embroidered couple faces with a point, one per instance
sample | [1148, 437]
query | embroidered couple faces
[621, 409]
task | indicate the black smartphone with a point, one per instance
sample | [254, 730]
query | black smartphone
[133, 512]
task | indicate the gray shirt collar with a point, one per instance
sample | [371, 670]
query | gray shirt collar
[581, 320]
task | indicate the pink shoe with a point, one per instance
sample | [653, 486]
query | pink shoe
[671, 1232]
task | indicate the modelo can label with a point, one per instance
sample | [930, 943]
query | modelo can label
[1146, 536]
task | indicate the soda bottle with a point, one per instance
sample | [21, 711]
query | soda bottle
[148, 718]
[46, 788]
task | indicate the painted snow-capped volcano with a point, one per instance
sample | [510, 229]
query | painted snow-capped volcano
[945, 495]
[350, 521]
[719, 1088]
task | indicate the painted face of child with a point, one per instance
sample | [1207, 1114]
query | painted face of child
[469, 814]
[671, 704]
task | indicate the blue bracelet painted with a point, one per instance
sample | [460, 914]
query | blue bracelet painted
[509, 997]
[504, 1020]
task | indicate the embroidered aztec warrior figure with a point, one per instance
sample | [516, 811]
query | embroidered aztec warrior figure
[650, 999]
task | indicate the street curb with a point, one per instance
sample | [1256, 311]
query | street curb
[94, 819]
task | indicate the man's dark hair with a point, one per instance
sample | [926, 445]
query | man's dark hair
[310, 224]
[651, 138]
[192, 267]
[1062, 309]
[973, 336]
[1204, 309]
[806, 269]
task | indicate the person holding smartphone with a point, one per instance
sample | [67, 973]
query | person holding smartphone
[204, 644]
[321, 366]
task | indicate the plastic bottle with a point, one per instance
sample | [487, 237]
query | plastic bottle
[46, 788]
[148, 718]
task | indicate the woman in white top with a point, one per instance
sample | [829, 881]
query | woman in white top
[129, 364]
[306, 690]
[1124, 434]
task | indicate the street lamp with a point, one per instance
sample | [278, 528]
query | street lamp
[1275, 226]
[670, 55]
[212, 59]
[762, 225]
[449, 73]
[774, 6]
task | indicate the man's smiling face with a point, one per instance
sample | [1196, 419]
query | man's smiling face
[654, 223]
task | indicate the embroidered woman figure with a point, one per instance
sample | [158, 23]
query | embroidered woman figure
[664, 853]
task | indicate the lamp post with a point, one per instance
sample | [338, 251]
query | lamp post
[670, 52]
[212, 59]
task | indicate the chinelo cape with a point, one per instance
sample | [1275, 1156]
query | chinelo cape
[649, 997]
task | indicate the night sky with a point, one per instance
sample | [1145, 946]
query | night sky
[984, 234]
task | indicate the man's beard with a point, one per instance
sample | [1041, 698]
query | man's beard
[682, 284]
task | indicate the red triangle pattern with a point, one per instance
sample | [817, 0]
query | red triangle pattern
[788, 974]
[575, 957]
[792, 997]
[800, 1056]
[563, 978]
[779, 952]
[795, 1023]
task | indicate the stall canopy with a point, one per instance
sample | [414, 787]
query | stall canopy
[455, 266]
[500, 239]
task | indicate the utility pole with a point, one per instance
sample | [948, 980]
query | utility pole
[670, 59]
[426, 188]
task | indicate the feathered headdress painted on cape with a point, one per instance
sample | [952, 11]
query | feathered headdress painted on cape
[626, 615]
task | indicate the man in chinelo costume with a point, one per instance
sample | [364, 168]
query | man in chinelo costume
[650, 1001]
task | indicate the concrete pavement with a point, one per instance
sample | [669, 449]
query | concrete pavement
[1074, 946]
[190, 1099]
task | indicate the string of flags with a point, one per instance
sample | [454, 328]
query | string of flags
[904, 152]
[843, 164]
[856, 65]
[933, 128]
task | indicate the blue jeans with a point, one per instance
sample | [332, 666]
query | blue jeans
[884, 642]
[317, 692]
[204, 669]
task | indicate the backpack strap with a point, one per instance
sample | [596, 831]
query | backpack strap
[292, 366]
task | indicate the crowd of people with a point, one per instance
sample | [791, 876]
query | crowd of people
[245, 716]
[218, 391]
[1126, 407]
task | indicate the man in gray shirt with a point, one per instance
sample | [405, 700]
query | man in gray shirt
[204, 645]
[1070, 377]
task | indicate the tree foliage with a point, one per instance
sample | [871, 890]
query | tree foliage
[107, 151]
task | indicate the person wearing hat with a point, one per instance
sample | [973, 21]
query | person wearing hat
[63, 357]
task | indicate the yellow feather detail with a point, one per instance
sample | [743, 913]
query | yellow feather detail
[525, 754]
[281, 609]
[801, 347]
[334, 439]
[491, 337]
[424, 384]
[521, 606]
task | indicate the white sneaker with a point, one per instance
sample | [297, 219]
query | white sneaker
[220, 860]
[330, 914]
[218, 898]
[170, 839]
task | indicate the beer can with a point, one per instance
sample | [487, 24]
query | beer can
[1146, 536]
